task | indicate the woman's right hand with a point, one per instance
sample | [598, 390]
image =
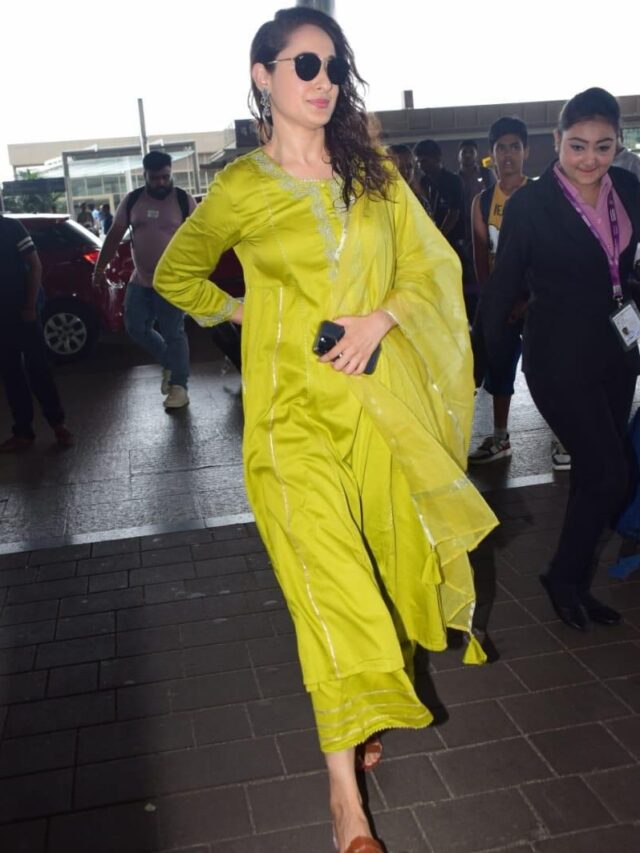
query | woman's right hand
[362, 335]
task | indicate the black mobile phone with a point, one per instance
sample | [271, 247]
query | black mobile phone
[328, 336]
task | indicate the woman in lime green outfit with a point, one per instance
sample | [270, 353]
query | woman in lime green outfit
[356, 481]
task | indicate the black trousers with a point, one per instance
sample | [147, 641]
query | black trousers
[590, 418]
[25, 370]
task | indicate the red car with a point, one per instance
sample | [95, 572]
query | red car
[74, 311]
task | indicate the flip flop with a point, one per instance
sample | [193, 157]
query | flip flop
[368, 754]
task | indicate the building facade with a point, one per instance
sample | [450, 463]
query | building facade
[107, 177]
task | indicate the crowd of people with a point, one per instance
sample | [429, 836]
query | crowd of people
[97, 220]
[365, 271]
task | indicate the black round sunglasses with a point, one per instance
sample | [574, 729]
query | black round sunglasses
[308, 65]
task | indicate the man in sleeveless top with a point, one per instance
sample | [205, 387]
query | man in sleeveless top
[508, 140]
[154, 213]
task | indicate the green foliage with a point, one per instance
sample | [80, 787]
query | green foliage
[34, 203]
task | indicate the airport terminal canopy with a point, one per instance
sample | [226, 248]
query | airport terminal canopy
[106, 164]
[107, 175]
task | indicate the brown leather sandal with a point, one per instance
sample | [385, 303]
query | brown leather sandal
[363, 844]
[368, 754]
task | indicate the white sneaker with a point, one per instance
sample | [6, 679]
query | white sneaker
[165, 385]
[176, 398]
[560, 457]
[490, 450]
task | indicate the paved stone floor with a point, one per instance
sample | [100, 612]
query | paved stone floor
[150, 698]
[134, 468]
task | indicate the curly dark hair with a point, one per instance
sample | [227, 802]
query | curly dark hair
[348, 138]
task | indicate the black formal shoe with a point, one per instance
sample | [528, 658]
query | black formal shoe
[571, 614]
[599, 612]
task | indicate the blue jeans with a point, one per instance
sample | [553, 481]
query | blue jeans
[169, 344]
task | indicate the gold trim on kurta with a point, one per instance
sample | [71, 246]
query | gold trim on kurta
[357, 483]
[312, 188]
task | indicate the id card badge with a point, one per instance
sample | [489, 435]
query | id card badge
[626, 322]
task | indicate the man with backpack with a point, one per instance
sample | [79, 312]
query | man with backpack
[154, 213]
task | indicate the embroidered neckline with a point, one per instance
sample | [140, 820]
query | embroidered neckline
[273, 167]
[312, 188]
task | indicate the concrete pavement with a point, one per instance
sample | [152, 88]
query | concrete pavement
[150, 697]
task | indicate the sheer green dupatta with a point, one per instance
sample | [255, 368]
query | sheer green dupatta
[421, 395]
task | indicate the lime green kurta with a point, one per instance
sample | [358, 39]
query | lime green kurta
[357, 483]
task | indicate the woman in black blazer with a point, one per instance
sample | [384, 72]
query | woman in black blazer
[557, 232]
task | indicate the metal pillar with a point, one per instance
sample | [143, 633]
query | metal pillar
[196, 174]
[326, 6]
[67, 184]
[144, 144]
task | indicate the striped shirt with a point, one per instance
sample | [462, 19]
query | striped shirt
[15, 245]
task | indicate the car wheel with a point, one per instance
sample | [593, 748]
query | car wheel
[70, 330]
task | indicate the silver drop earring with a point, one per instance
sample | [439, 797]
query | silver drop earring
[265, 102]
